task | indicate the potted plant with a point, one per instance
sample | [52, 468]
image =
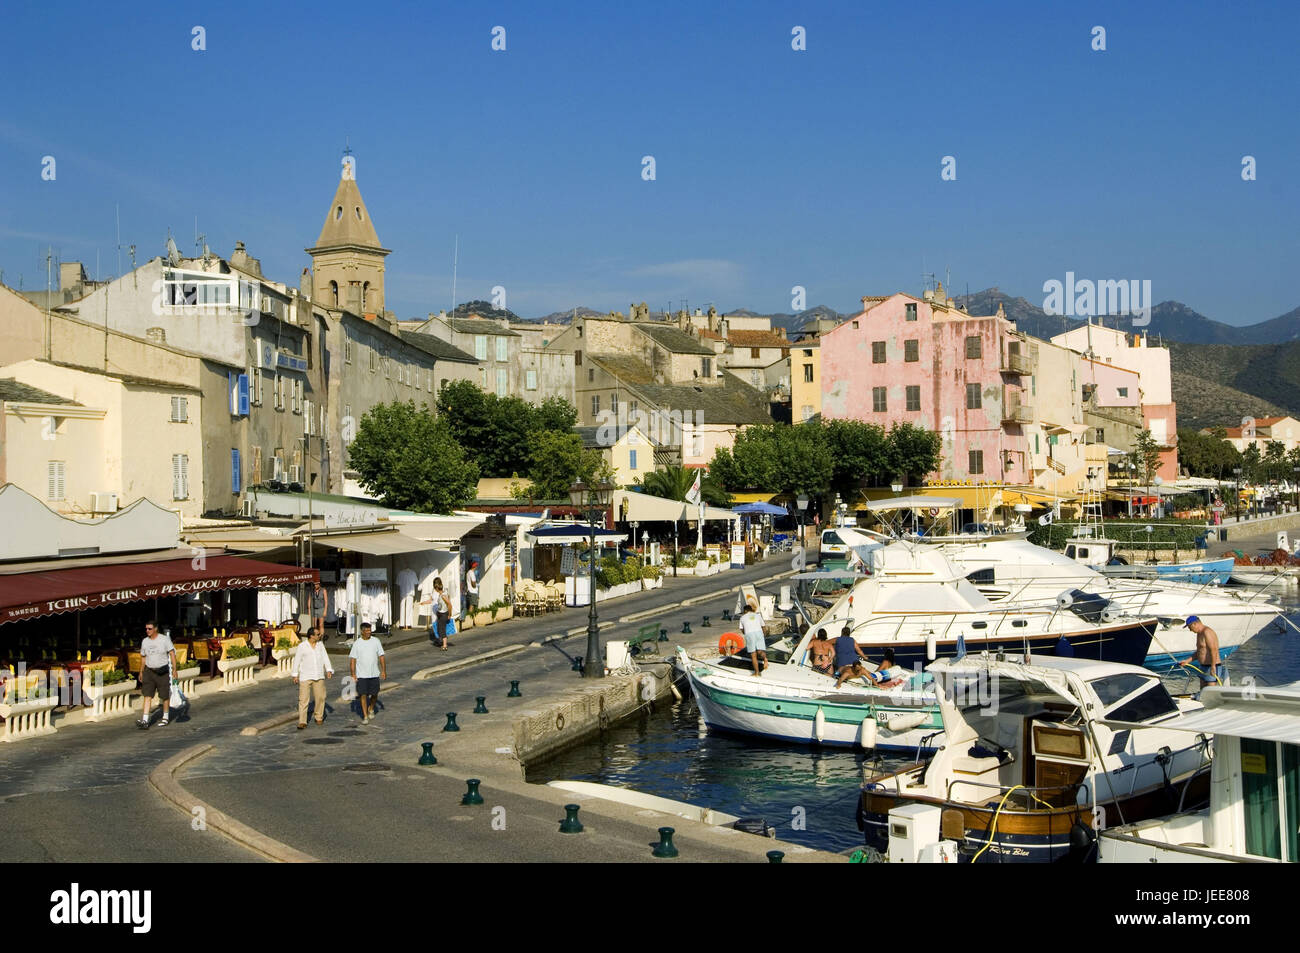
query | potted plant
[485, 615]
[502, 610]
[27, 705]
[107, 692]
[282, 652]
[236, 666]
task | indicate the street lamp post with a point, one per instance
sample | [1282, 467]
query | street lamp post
[1296, 481]
[802, 500]
[592, 499]
[1236, 490]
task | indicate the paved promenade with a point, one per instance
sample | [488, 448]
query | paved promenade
[344, 790]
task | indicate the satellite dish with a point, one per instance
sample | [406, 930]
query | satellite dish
[173, 253]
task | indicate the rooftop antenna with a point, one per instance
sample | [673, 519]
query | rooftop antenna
[928, 280]
[135, 278]
[173, 253]
[49, 290]
[455, 264]
[118, 214]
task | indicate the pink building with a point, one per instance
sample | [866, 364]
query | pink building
[926, 362]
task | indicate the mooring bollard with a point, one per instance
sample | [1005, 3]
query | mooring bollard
[775, 856]
[665, 846]
[451, 722]
[570, 824]
[686, 628]
[706, 624]
[479, 707]
[514, 690]
[663, 635]
[577, 664]
[726, 615]
[472, 796]
[427, 756]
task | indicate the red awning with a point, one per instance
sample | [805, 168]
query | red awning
[30, 595]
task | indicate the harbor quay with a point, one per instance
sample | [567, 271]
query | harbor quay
[234, 780]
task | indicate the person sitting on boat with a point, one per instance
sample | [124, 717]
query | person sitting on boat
[1209, 666]
[822, 651]
[888, 672]
[848, 657]
[751, 627]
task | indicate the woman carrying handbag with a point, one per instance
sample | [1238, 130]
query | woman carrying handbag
[442, 616]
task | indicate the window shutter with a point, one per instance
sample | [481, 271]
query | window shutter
[176, 476]
[54, 479]
[234, 471]
[243, 395]
[232, 391]
[185, 477]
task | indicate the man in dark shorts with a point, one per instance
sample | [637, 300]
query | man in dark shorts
[157, 661]
[319, 604]
[369, 668]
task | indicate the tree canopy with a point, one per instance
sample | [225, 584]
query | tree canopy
[1207, 455]
[558, 460]
[411, 460]
[499, 433]
[673, 483]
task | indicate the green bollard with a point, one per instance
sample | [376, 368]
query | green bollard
[451, 722]
[577, 664]
[472, 796]
[479, 707]
[775, 856]
[514, 690]
[726, 615]
[427, 757]
[665, 846]
[707, 624]
[663, 635]
[570, 824]
[686, 628]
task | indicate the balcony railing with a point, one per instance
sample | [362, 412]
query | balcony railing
[1016, 363]
[1017, 413]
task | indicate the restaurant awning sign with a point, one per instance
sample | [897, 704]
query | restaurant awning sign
[31, 595]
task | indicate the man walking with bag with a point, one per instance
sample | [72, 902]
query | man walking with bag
[157, 659]
[311, 666]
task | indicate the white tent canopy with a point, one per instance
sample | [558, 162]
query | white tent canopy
[644, 508]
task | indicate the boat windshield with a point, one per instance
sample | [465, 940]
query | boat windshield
[1152, 703]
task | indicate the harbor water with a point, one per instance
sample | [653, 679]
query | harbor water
[808, 795]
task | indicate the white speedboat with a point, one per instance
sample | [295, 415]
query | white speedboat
[1035, 756]
[919, 603]
[791, 701]
[1010, 568]
[1254, 809]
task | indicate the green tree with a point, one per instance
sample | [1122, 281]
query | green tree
[1275, 461]
[555, 413]
[559, 460]
[1250, 463]
[912, 452]
[1145, 456]
[411, 460]
[859, 454]
[673, 483]
[778, 458]
[497, 432]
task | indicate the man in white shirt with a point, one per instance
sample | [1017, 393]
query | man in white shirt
[157, 661]
[471, 589]
[369, 668]
[311, 666]
[751, 627]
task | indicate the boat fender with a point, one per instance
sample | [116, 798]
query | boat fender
[901, 723]
[1109, 615]
[931, 645]
[1064, 600]
[1083, 841]
[867, 733]
[819, 725]
[672, 686]
[730, 643]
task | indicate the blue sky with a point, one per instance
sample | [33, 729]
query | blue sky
[774, 168]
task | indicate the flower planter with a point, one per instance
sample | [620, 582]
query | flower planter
[108, 701]
[652, 583]
[466, 623]
[283, 662]
[236, 673]
[187, 681]
[483, 618]
[29, 718]
[505, 612]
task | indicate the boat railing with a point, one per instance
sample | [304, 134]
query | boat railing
[1032, 791]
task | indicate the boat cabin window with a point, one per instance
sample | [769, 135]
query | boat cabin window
[1271, 809]
[1069, 551]
[1152, 703]
[1112, 688]
[982, 577]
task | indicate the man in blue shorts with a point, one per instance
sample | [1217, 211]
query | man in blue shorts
[369, 668]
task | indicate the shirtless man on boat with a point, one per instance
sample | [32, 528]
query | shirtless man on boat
[1208, 666]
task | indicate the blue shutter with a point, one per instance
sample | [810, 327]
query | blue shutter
[632, 454]
[243, 395]
[234, 471]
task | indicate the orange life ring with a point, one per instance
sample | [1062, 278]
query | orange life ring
[730, 643]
